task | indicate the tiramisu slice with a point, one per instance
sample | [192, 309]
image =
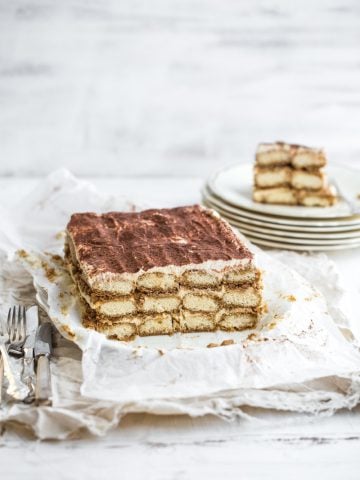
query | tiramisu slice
[291, 175]
[289, 196]
[162, 271]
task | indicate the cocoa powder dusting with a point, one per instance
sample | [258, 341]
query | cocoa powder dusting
[128, 242]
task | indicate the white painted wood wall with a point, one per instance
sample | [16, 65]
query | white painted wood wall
[174, 87]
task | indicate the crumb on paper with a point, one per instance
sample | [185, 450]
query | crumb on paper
[56, 258]
[30, 259]
[64, 309]
[212, 345]
[277, 318]
[252, 337]
[265, 308]
[227, 342]
[66, 301]
[161, 352]
[68, 331]
[60, 235]
[289, 298]
[22, 253]
[50, 272]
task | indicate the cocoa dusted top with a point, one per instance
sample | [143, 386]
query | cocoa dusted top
[119, 242]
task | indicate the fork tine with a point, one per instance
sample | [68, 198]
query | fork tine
[23, 325]
[18, 323]
[10, 322]
[21, 322]
[13, 325]
[7, 323]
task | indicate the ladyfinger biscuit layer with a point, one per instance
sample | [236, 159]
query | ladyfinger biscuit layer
[296, 156]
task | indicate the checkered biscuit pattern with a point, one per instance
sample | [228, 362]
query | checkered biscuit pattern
[290, 174]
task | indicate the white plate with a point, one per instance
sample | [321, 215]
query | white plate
[323, 236]
[234, 185]
[300, 241]
[289, 246]
[349, 230]
[308, 244]
[342, 224]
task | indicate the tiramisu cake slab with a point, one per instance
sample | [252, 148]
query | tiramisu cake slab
[162, 271]
[291, 175]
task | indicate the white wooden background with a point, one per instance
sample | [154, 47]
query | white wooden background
[174, 87]
[160, 91]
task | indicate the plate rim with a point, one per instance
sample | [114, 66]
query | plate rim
[214, 176]
[299, 235]
[269, 220]
[284, 246]
[299, 241]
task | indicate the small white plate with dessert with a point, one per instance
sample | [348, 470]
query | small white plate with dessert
[235, 186]
[290, 180]
[289, 199]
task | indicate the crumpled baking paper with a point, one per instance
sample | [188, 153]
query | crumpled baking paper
[302, 357]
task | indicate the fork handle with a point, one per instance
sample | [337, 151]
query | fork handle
[16, 387]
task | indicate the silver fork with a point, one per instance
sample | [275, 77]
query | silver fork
[16, 327]
[354, 206]
[16, 388]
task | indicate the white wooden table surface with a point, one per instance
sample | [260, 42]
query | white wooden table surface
[281, 446]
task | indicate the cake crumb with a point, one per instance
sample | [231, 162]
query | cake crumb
[212, 345]
[291, 298]
[67, 330]
[252, 336]
[64, 310]
[227, 342]
[30, 259]
[50, 272]
[161, 352]
[56, 258]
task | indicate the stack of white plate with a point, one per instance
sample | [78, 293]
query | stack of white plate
[288, 227]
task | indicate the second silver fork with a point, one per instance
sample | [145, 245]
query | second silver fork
[17, 389]
[16, 327]
[21, 345]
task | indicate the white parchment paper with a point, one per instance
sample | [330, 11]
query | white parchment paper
[302, 357]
